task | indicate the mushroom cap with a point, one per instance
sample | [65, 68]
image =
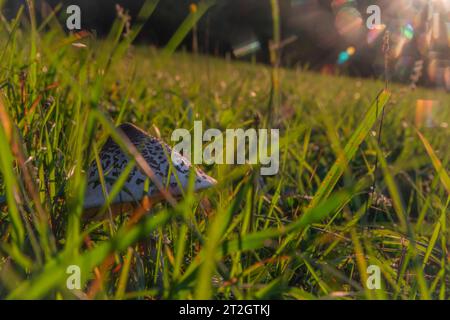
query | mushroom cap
[114, 161]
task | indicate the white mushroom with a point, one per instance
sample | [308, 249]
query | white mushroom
[114, 160]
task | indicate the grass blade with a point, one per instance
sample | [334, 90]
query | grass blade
[350, 149]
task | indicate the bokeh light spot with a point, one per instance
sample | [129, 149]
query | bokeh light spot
[348, 22]
[343, 57]
[351, 50]
[408, 31]
[424, 112]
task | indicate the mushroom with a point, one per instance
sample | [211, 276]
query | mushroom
[157, 155]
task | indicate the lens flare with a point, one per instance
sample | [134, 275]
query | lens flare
[447, 25]
[424, 112]
[437, 69]
[375, 33]
[408, 31]
[246, 49]
[447, 78]
[351, 50]
[436, 26]
[398, 50]
[348, 22]
[343, 57]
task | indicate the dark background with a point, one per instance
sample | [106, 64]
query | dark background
[309, 24]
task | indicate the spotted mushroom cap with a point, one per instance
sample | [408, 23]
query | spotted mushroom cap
[114, 161]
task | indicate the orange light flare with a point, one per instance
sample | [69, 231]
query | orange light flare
[351, 50]
[447, 78]
[401, 37]
[447, 26]
[338, 3]
[438, 70]
[399, 47]
[425, 111]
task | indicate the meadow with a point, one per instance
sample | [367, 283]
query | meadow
[309, 232]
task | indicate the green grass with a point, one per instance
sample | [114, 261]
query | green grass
[302, 234]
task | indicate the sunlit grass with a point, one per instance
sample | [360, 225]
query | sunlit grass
[302, 234]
